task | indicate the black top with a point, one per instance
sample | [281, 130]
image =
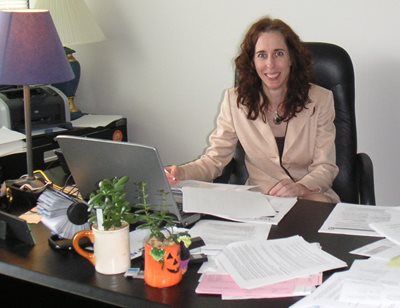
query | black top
[280, 142]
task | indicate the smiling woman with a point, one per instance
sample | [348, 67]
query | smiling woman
[282, 120]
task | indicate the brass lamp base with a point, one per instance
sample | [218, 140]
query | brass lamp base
[69, 87]
[71, 104]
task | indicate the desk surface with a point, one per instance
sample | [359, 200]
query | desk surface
[71, 273]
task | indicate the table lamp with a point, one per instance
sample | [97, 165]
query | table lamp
[31, 53]
[75, 25]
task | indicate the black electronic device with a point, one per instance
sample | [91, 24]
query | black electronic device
[16, 228]
[48, 104]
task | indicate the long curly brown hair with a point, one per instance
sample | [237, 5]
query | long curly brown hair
[249, 84]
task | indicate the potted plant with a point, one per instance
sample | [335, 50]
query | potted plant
[163, 265]
[110, 215]
[108, 206]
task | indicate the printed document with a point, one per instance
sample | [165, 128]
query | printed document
[257, 263]
[226, 204]
[209, 185]
[281, 207]
[382, 249]
[368, 284]
[390, 230]
[355, 219]
[218, 234]
[228, 289]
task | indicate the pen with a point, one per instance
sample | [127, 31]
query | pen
[355, 229]
[170, 175]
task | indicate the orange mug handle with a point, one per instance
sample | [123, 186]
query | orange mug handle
[75, 243]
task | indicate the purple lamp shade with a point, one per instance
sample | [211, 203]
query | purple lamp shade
[30, 50]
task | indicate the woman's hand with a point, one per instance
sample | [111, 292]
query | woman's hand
[288, 188]
[173, 173]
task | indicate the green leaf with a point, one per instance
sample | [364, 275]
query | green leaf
[95, 199]
[157, 254]
[122, 180]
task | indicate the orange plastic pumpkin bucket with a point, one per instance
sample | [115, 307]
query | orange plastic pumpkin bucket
[166, 273]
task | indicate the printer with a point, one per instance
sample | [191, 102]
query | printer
[49, 108]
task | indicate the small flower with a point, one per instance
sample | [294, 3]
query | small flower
[186, 239]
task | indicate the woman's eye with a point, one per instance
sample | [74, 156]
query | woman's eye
[279, 53]
[262, 56]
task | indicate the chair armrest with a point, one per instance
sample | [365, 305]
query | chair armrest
[365, 179]
[233, 173]
[226, 173]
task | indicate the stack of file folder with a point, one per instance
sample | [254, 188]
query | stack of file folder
[53, 206]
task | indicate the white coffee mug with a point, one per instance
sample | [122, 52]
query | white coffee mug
[111, 249]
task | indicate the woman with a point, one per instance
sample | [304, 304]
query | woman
[284, 123]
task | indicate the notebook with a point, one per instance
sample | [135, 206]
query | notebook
[90, 160]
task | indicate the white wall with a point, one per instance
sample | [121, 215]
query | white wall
[165, 65]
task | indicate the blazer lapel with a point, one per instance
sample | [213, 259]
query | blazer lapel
[265, 132]
[296, 125]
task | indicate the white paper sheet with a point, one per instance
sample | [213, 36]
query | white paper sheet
[8, 135]
[327, 295]
[354, 219]
[95, 120]
[390, 230]
[209, 185]
[381, 249]
[368, 284]
[372, 282]
[226, 204]
[11, 142]
[218, 234]
[257, 263]
[281, 206]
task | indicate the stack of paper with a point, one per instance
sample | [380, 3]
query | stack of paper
[218, 234]
[233, 202]
[53, 205]
[11, 142]
[254, 264]
[368, 284]
[225, 286]
[265, 269]
[356, 219]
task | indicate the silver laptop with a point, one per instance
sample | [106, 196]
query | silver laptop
[90, 160]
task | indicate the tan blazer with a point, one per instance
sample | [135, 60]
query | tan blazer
[309, 151]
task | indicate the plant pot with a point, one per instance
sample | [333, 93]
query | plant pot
[111, 249]
[166, 273]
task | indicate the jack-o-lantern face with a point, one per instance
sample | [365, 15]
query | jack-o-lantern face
[167, 271]
[172, 263]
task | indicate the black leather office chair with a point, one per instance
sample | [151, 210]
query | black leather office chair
[333, 69]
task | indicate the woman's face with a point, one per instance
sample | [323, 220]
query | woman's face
[272, 61]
